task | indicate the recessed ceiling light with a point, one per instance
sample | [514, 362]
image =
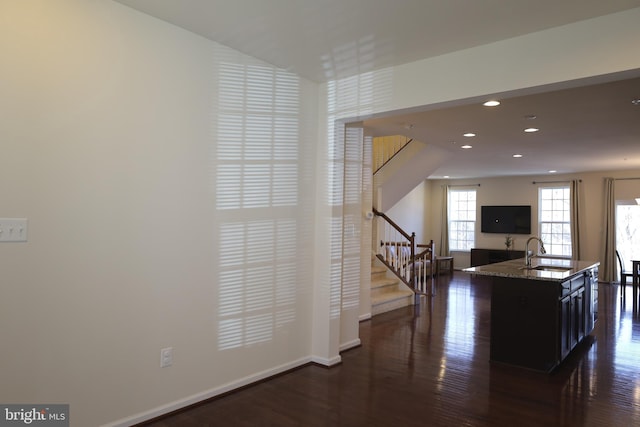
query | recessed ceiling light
[517, 156]
[491, 103]
[530, 130]
[466, 147]
[469, 134]
[553, 171]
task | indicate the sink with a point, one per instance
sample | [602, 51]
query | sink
[551, 268]
[555, 268]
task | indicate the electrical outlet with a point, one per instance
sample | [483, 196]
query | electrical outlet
[13, 229]
[166, 357]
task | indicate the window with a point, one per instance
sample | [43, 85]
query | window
[555, 220]
[462, 219]
[627, 229]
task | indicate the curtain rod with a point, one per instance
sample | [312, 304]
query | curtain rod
[553, 182]
[624, 179]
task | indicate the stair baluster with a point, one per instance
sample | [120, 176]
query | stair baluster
[398, 252]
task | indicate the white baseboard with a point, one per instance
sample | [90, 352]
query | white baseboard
[363, 317]
[208, 394]
[326, 362]
[350, 344]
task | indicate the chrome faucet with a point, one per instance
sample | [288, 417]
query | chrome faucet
[527, 258]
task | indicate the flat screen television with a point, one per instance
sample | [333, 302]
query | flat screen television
[506, 219]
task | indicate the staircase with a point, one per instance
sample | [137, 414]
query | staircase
[410, 266]
[402, 268]
[387, 293]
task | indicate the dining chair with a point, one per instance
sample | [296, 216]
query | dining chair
[624, 274]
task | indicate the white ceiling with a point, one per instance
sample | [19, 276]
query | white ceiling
[588, 128]
[585, 128]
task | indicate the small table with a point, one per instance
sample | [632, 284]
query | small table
[444, 260]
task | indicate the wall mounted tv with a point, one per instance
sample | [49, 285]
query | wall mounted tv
[506, 219]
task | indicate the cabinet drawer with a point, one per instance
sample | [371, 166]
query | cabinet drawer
[571, 285]
[565, 288]
[577, 283]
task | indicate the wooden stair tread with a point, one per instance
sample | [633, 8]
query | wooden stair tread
[382, 282]
[376, 269]
[388, 292]
[390, 296]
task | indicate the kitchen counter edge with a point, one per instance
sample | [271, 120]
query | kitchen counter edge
[514, 269]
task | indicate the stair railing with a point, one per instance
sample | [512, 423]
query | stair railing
[398, 251]
[386, 148]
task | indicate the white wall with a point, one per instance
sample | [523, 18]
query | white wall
[409, 168]
[584, 49]
[114, 130]
[128, 149]
[409, 213]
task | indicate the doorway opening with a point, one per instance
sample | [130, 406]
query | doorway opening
[628, 230]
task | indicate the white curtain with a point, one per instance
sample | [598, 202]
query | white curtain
[608, 266]
[444, 234]
[575, 219]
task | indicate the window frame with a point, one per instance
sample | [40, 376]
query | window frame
[469, 226]
[555, 232]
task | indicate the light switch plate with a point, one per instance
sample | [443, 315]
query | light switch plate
[13, 229]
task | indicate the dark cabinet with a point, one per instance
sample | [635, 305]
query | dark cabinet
[579, 315]
[535, 323]
[573, 322]
[591, 298]
[524, 323]
[566, 343]
[491, 256]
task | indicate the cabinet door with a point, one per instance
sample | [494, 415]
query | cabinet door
[524, 324]
[565, 326]
[580, 319]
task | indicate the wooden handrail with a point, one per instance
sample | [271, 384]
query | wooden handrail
[405, 266]
[393, 224]
[426, 251]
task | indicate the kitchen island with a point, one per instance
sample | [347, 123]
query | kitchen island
[542, 312]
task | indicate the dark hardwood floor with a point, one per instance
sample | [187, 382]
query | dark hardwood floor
[432, 369]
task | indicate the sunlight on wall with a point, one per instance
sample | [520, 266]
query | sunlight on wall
[257, 175]
[351, 97]
[258, 137]
[354, 139]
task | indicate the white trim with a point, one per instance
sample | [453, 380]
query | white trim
[207, 394]
[326, 362]
[363, 317]
[350, 344]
